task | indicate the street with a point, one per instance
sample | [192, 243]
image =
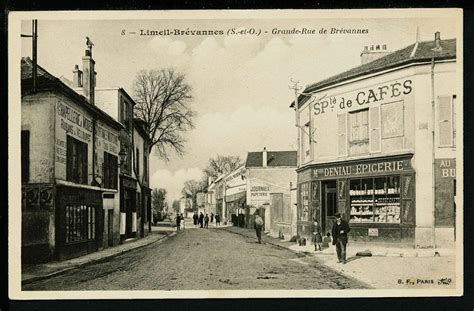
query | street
[202, 259]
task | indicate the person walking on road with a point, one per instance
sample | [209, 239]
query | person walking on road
[182, 222]
[195, 219]
[201, 219]
[340, 229]
[206, 221]
[212, 217]
[258, 227]
[178, 222]
[218, 220]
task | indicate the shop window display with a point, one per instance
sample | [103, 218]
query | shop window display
[375, 200]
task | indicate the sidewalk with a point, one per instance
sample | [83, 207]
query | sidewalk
[32, 273]
[387, 268]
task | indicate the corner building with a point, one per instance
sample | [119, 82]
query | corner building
[377, 144]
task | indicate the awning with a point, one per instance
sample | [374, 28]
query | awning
[236, 196]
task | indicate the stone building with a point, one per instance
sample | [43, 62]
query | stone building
[69, 166]
[377, 143]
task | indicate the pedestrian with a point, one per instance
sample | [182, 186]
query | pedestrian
[212, 217]
[182, 222]
[206, 221]
[258, 227]
[317, 237]
[201, 219]
[218, 220]
[340, 229]
[195, 219]
[178, 222]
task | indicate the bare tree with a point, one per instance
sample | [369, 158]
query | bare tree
[222, 165]
[163, 100]
[191, 189]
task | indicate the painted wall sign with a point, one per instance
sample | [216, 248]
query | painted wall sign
[363, 168]
[362, 98]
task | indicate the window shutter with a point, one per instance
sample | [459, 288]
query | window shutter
[342, 134]
[69, 155]
[25, 156]
[445, 124]
[84, 164]
[374, 122]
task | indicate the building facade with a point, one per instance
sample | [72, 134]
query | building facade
[377, 144]
[270, 176]
[69, 164]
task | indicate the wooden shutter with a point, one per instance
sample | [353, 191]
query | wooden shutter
[374, 135]
[25, 156]
[84, 163]
[445, 121]
[342, 134]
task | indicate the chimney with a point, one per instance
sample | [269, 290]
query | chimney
[373, 52]
[437, 41]
[88, 81]
[264, 157]
[77, 76]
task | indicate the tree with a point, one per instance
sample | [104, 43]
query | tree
[175, 206]
[158, 197]
[191, 188]
[163, 98]
[222, 165]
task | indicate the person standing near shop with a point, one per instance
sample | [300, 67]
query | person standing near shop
[258, 227]
[178, 222]
[201, 219]
[340, 229]
[218, 220]
[212, 217]
[182, 221]
[317, 237]
[206, 221]
[195, 219]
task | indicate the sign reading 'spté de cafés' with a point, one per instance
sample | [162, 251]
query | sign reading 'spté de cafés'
[361, 98]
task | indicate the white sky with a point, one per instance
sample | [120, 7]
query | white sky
[240, 84]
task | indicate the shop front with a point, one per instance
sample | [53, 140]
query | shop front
[80, 221]
[128, 207]
[376, 196]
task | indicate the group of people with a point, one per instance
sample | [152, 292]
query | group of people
[202, 221]
[339, 230]
[179, 222]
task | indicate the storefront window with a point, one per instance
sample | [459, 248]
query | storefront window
[375, 200]
[80, 223]
[359, 132]
[110, 171]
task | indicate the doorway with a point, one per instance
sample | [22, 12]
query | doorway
[110, 227]
[329, 203]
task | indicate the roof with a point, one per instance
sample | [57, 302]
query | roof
[274, 159]
[140, 125]
[424, 52]
[47, 82]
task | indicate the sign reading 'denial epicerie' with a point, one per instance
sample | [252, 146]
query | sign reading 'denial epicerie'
[363, 97]
[363, 168]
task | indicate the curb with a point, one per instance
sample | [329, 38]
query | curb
[62, 271]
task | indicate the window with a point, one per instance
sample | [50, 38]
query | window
[145, 164]
[76, 161]
[359, 132]
[25, 156]
[137, 161]
[446, 121]
[125, 113]
[80, 223]
[110, 171]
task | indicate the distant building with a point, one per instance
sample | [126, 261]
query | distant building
[270, 175]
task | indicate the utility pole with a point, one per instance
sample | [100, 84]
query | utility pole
[296, 88]
[34, 36]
